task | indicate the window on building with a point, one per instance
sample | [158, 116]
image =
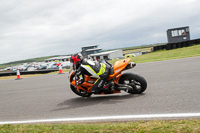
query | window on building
[187, 29]
[181, 32]
[174, 33]
[178, 33]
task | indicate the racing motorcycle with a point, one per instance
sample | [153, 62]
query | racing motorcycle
[117, 81]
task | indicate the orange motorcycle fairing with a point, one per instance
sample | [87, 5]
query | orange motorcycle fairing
[117, 78]
[119, 66]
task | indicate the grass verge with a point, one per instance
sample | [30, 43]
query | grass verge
[167, 55]
[137, 50]
[156, 126]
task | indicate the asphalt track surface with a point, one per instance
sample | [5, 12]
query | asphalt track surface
[173, 87]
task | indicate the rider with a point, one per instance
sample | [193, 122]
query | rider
[90, 68]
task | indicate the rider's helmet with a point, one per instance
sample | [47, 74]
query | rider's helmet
[76, 60]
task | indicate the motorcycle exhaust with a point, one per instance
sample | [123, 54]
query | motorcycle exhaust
[124, 87]
[130, 65]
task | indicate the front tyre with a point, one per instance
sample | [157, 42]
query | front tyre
[80, 92]
[137, 82]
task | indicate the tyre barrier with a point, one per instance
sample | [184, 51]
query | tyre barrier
[28, 72]
[170, 46]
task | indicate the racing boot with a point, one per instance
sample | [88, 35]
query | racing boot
[98, 86]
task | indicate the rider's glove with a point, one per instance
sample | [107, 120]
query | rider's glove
[79, 82]
[77, 79]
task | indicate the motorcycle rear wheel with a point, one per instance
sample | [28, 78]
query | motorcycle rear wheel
[137, 82]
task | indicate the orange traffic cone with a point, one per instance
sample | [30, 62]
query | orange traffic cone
[60, 69]
[18, 74]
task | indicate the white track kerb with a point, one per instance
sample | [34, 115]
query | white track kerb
[104, 118]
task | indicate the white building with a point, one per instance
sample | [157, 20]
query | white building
[108, 55]
[92, 49]
[60, 58]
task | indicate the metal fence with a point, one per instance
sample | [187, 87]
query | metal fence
[170, 46]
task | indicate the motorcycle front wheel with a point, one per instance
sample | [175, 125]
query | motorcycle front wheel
[137, 82]
[80, 92]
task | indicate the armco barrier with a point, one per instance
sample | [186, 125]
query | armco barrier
[28, 72]
[170, 46]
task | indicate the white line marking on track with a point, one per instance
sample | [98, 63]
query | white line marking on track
[146, 116]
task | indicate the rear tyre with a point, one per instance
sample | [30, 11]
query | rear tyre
[137, 82]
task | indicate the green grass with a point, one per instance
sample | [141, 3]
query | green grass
[137, 50]
[141, 47]
[167, 54]
[156, 126]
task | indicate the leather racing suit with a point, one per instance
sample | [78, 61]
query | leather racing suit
[100, 70]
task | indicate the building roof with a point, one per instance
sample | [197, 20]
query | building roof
[104, 53]
[59, 58]
[178, 28]
[89, 46]
[93, 49]
[64, 57]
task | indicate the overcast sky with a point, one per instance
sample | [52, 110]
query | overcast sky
[39, 28]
